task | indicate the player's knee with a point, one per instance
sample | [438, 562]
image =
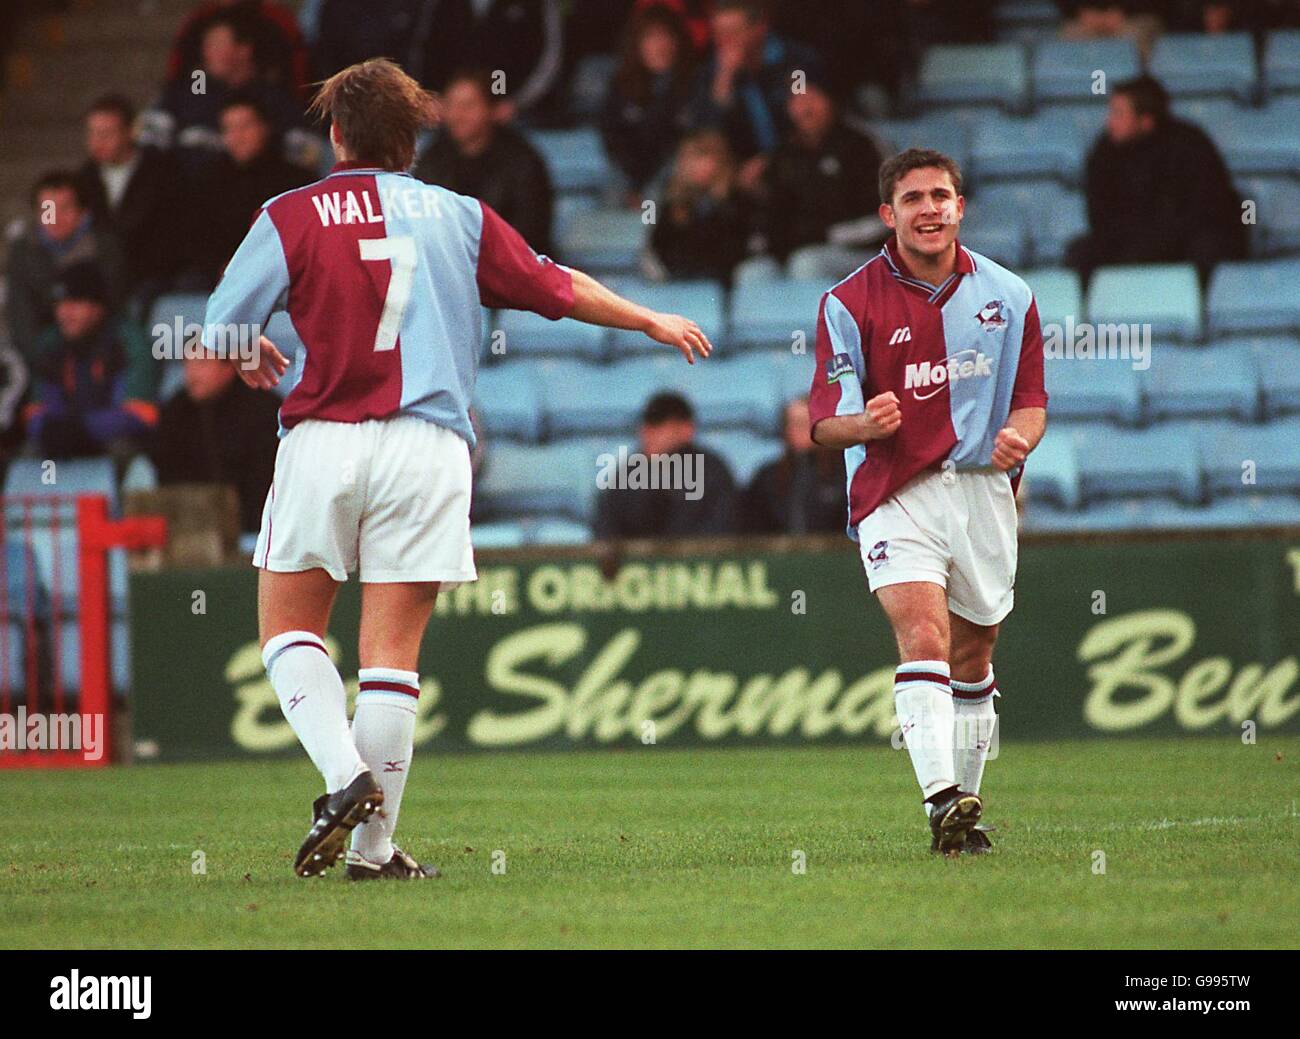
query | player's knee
[923, 640]
[971, 661]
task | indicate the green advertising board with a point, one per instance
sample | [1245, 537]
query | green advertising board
[751, 643]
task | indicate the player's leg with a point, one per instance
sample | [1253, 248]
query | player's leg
[393, 619]
[971, 658]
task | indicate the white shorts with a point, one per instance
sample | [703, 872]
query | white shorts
[954, 529]
[388, 498]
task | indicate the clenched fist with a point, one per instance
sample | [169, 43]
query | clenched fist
[1010, 449]
[883, 416]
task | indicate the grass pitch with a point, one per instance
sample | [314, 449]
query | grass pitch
[674, 848]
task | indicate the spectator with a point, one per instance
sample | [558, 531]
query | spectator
[474, 154]
[350, 31]
[821, 180]
[62, 234]
[803, 491]
[188, 119]
[1157, 188]
[522, 39]
[699, 498]
[134, 192]
[226, 198]
[694, 15]
[277, 41]
[705, 224]
[743, 90]
[218, 430]
[93, 377]
[1108, 19]
[645, 109]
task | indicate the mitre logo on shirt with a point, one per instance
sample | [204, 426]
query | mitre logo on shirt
[965, 364]
[838, 366]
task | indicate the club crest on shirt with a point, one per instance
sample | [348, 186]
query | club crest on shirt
[992, 316]
[878, 554]
[838, 366]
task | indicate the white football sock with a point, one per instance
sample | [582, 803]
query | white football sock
[973, 727]
[923, 700]
[312, 698]
[384, 730]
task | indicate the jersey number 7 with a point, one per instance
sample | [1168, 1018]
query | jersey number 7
[401, 251]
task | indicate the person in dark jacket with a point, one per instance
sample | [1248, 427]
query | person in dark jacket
[704, 226]
[226, 198]
[476, 155]
[218, 430]
[1158, 190]
[645, 110]
[822, 177]
[672, 488]
[803, 491]
[136, 193]
[93, 389]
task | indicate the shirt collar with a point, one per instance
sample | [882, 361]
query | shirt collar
[965, 264]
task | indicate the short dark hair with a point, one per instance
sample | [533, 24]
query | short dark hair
[896, 167]
[480, 78]
[667, 407]
[58, 180]
[754, 10]
[114, 104]
[1147, 95]
[246, 99]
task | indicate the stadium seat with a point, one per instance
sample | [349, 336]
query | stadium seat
[829, 264]
[1254, 297]
[1116, 463]
[1250, 510]
[71, 476]
[1093, 388]
[190, 308]
[1063, 69]
[945, 131]
[1205, 64]
[506, 402]
[996, 231]
[735, 392]
[757, 269]
[1049, 214]
[1272, 451]
[558, 532]
[521, 333]
[1262, 141]
[1052, 473]
[793, 372]
[1278, 363]
[772, 314]
[1277, 214]
[702, 301]
[581, 399]
[500, 534]
[570, 206]
[1218, 380]
[1050, 234]
[744, 453]
[574, 158]
[1012, 148]
[1165, 296]
[533, 480]
[1281, 68]
[604, 240]
[974, 74]
[1059, 295]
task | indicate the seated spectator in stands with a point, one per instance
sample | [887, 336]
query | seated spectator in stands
[700, 497]
[821, 182]
[803, 491]
[188, 120]
[1158, 190]
[1109, 19]
[743, 89]
[61, 234]
[704, 225]
[226, 198]
[645, 109]
[218, 430]
[134, 192]
[694, 14]
[350, 31]
[523, 40]
[474, 154]
[278, 44]
[93, 376]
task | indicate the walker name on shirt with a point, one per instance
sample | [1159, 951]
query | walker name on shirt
[965, 364]
[358, 207]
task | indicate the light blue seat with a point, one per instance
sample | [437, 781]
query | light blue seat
[1059, 295]
[1254, 297]
[569, 207]
[190, 308]
[793, 372]
[744, 453]
[1049, 214]
[826, 263]
[498, 534]
[72, 476]
[737, 392]
[1116, 463]
[506, 402]
[757, 269]
[575, 158]
[1201, 64]
[609, 240]
[1042, 145]
[1262, 141]
[1183, 382]
[1092, 388]
[558, 532]
[1278, 363]
[1254, 510]
[521, 333]
[535, 480]
[1277, 214]
[1166, 296]
[1063, 69]
[1052, 471]
[1281, 67]
[580, 399]
[702, 301]
[1051, 233]
[974, 74]
[1268, 453]
[944, 131]
[997, 231]
[774, 314]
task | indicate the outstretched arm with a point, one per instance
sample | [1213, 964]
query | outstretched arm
[596, 304]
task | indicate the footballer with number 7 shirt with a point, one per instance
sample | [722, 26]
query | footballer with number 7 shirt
[384, 278]
[930, 378]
